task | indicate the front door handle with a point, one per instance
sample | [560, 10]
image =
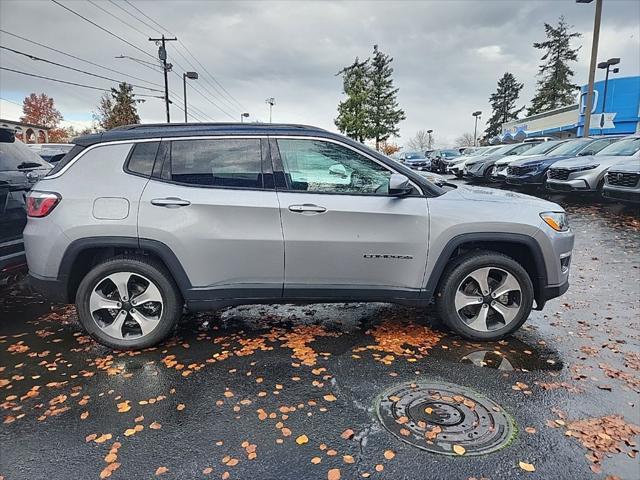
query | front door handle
[307, 208]
[170, 202]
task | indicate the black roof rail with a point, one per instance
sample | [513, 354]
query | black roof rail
[203, 125]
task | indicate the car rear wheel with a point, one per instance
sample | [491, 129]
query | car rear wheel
[128, 302]
[485, 296]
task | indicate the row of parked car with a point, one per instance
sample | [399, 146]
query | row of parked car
[609, 166]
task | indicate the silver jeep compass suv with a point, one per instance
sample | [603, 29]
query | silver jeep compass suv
[140, 221]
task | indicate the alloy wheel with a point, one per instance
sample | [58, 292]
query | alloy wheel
[126, 305]
[488, 298]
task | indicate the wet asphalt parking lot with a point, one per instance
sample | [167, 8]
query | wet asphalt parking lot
[293, 392]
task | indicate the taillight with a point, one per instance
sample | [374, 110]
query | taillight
[40, 204]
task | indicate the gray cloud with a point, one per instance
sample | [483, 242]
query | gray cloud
[448, 55]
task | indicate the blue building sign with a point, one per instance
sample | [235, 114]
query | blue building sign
[622, 107]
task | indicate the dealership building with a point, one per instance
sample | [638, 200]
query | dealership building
[618, 114]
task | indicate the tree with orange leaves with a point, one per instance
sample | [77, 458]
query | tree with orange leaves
[40, 110]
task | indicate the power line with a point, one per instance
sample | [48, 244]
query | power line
[69, 83]
[11, 101]
[102, 28]
[33, 57]
[192, 85]
[78, 58]
[189, 52]
[179, 53]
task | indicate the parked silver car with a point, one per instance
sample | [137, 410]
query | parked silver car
[622, 181]
[140, 221]
[586, 174]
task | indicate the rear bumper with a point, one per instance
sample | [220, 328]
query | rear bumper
[52, 288]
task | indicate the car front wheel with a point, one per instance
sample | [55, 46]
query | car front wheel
[485, 296]
[128, 302]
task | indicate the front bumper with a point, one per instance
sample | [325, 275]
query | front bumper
[529, 179]
[549, 292]
[625, 194]
[576, 185]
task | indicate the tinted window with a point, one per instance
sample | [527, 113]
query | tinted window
[325, 167]
[218, 162]
[12, 155]
[142, 158]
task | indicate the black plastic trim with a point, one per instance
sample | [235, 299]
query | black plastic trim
[540, 280]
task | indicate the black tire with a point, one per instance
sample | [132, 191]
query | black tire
[455, 274]
[152, 270]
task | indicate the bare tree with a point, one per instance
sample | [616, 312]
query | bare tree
[465, 140]
[421, 142]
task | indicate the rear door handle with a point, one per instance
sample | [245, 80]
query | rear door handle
[307, 208]
[170, 202]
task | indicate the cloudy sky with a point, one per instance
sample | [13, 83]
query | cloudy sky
[448, 55]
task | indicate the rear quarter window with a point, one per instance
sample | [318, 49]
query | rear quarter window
[142, 158]
[16, 153]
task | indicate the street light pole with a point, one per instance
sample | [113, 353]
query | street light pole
[606, 66]
[429, 132]
[475, 128]
[592, 65]
[243, 116]
[271, 101]
[162, 55]
[192, 76]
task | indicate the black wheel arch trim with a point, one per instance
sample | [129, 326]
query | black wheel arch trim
[165, 254]
[539, 282]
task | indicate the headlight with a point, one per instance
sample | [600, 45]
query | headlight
[588, 167]
[556, 220]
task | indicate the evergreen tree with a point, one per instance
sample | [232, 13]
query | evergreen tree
[555, 88]
[503, 104]
[352, 117]
[118, 108]
[384, 112]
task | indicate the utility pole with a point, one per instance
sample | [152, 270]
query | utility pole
[271, 101]
[162, 55]
[592, 66]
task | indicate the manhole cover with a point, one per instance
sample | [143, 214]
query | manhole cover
[437, 416]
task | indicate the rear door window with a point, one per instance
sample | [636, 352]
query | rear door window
[224, 162]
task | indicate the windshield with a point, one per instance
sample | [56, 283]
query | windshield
[571, 148]
[489, 151]
[623, 148]
[450, 153]
[413, 156]
[544, 147]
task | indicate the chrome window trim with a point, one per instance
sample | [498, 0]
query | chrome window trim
[222, 137]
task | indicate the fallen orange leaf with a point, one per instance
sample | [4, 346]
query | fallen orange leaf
[333, 474]
[302, 439]
[161, 470]
[459, 449]
[389, 454]
[330, 398]
[527, 467]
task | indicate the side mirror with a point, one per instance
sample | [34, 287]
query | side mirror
[399, 185]
[338, 170]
